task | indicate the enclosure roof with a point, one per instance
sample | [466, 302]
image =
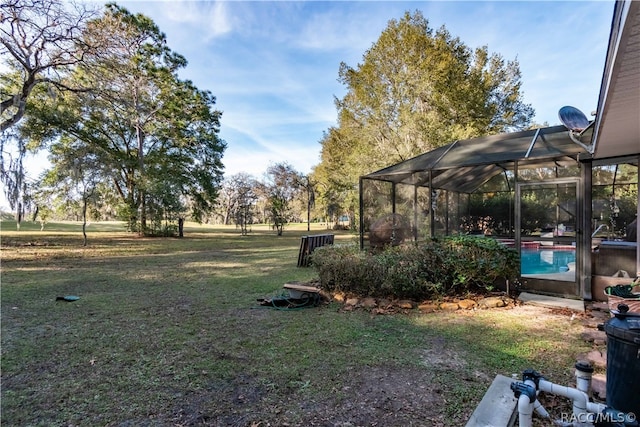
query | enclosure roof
[466, 165]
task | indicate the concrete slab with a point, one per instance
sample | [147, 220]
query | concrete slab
[497, 407]
[552, 302]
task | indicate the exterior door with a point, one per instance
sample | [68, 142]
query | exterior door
[548, 223]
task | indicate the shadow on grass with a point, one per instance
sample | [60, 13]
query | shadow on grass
[168, 331]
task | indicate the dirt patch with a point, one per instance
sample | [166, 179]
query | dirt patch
[385, 397]
[381, 395]
[376, 396]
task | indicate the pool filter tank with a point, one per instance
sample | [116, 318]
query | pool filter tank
[623, 360]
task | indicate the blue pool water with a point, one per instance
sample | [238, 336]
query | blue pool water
[545, 261]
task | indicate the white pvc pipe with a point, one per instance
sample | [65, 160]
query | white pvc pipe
[540, 410]
[583, 381]
[525, 411]
[525, 407]
[579, 398]
[596, 408]
[583, 410]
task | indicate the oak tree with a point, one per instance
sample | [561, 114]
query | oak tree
[416, 89]
[40, 43]
[155, 135]
[281, 188]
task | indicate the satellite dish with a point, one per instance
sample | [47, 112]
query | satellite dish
[573, 119]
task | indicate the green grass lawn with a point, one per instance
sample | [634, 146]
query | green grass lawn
[169, 332]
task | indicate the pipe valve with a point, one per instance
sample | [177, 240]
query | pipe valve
[519, 388]
[532, 375]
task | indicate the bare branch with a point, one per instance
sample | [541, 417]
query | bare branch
[43, 39]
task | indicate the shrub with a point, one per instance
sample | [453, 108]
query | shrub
[479, 262]
[345, 268]
[416, 271]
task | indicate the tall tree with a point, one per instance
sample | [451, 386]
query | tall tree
[155, 135]
[417, 89]
[245, 196]
[336, 177]
[281, 187]
[75, 176]
[17, 187]
[40, 44]
[237, 200]
[307, 186]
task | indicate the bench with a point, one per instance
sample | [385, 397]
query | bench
[309, 244]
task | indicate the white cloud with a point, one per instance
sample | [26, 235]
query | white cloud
[219, 19]
[340, 30]
[210, 17]
[187, 22]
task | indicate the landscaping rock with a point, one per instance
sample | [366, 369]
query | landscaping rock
[467, 304]
[491, 302]
[405, 304]
[385, 303]
[339, 296]
[593, 322]
[449, 306]
[593, 335]
[428, 307]
[597, 358]
[369, 302]
[326, 296]
[352, 301]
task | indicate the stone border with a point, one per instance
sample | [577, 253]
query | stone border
[388, 306]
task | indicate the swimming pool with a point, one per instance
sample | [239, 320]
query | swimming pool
[546, 261]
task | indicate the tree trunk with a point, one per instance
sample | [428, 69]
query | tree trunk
[84, 221]
[180, 227]
[18, 215]
[143, 201]
[143, 213]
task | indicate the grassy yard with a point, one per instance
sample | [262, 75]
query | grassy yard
[168, 332]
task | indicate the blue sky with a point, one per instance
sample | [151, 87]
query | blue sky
[273, 65]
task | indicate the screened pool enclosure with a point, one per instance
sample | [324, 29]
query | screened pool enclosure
[537, 190]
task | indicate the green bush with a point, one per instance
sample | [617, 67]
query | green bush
[479, 262]
[453, 265]
[346, 268]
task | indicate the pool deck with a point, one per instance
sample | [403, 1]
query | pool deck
[537, 245]
[551, 302]
[564, 276]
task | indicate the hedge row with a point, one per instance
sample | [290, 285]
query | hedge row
[452, 265]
